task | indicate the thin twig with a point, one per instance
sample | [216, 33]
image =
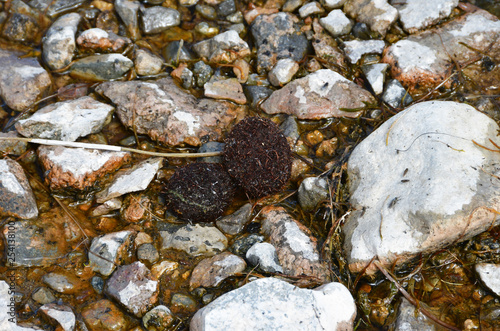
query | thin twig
[49, 142]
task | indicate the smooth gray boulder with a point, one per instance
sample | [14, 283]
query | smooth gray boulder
[273, 304]
[419, 183]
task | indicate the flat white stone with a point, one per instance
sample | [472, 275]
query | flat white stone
[419, 14]
[7, 310]
[93, 35]
[412, 55]
[134, 179]
[62, 314]
[310, 8]
[336, 23]
[283, 72]
[272, 304]
[67, 120]
[195, 240]
[355, 49]
[419, 183]
[264, 255]
[375, 73]
[490, 275]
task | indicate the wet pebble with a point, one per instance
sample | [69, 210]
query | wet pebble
[16, 197]
[378, 14]
[212, 271]
[490, 276]
[242, 244]
[104, 315]
[226, 47]
[312, 191]
[43, 295]
[272, 304]
[67, 120]
[78, 168]
[22, 81]
[228, 89]
[100, 41]
[63, 282]
[159, 318]
[336, 23]
[147, 253]
[255, 94]
[206, 11]
[265, 257]
[128, 10]
[146, 63]
[112, 247]
[291, 5]
[202, 73]
[62, 314]
[173, 55]
[101, 67]
[20, 28]
[183, 303]
[311, 8]
[157, 19]
[283, 72]
[136, 207]
[194, 239]
[234, 223]
[133, 179]
[59, 41]
[184, 75]
[133, 286]
[225, 8]
[107, 207]
[396, 95]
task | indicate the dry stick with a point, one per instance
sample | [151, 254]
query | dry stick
[49, 142]
[412, 300]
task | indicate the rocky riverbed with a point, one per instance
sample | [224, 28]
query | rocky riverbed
[385, 217]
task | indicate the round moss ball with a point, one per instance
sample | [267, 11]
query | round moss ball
[199, 192]
[258, 157]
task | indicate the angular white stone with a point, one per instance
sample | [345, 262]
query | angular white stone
[418, 14]
[490, 275]
[283, 72]
[108, 247]
[134, 179]
[336, 23]
[67, 120]
[355, 49]
[419, 183]
[375, 73]
[272, 304]
[264, 255]
[62, 314]
[310, 8]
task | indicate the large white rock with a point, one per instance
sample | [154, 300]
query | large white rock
[272, 304]
[419, 183]
[7, 308]
[416, 15]
[490, 275]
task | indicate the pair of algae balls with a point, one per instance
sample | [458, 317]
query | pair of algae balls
[256, 157]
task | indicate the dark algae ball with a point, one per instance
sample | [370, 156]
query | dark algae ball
[258, 157]
[199, 192]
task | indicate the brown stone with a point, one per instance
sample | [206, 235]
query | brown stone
[212, 271]
[103, 315]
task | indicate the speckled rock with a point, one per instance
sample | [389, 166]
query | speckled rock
[405, 210]
[490, 276]
[67, 120]
[78, 168]
[378, 14]
[133, 287]
[225, 47]
[112, 247]
[278, 36]
[322, 94]
[421, 62]
[12, 147]
[265, 257]
[212, 271]
[62, 314]
[20, 28]
[16, 197]
[101, 41]
[159, 318]
[396, 95]
[417, 15]
[133, 179]
[22, 80]
[101, 67]
[104, 315]
[167, 113]
[272, 304]
[59, 41]
[296, 247]
[194, 239]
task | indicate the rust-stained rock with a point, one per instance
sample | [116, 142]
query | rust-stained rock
[167, 113]
[135, 207]
[78, 168]
[321, 94]
[100, 41]
[296, 247]
[212, 271]
[103, 315]
[425, 60]
[16, 196]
